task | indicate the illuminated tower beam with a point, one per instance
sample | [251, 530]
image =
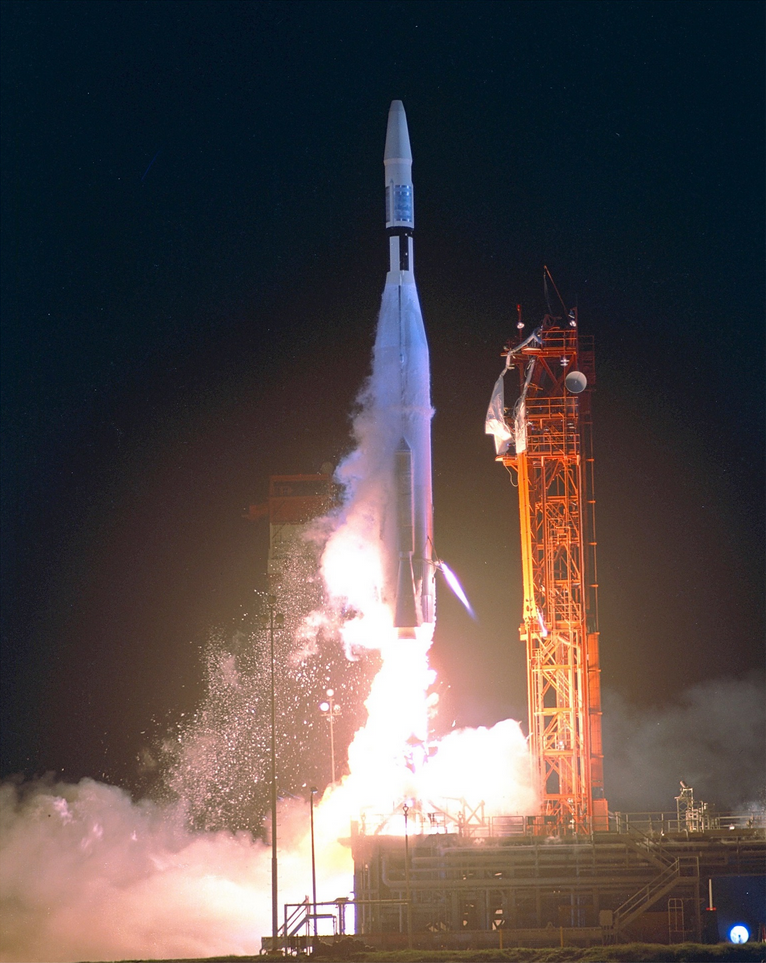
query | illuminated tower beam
[551, 453]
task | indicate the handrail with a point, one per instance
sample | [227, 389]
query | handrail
[633, 906]
[643, 898]
[468, 820]
[646, 846]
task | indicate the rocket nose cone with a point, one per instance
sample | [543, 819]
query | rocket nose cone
[397, 135]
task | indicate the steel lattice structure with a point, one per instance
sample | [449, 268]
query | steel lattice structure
[551, 455]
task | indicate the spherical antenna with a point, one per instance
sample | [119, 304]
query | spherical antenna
[576, 382]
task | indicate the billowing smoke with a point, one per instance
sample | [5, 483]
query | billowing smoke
[85, 873]
[713, 737]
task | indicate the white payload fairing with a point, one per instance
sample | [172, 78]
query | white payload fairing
[404, 397]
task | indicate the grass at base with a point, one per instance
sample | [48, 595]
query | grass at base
[624, 953]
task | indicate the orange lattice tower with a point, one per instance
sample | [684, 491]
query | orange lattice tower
[550, 453]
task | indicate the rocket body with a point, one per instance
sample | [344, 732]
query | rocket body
[404, 397]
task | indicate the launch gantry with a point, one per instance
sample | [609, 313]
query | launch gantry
[550, 453]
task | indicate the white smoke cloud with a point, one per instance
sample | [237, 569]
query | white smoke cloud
[85, 873]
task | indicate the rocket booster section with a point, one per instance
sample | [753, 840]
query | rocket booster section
[401, 354]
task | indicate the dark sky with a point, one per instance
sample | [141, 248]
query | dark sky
[193, 255]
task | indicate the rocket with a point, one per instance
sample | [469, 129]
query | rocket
[404, 397]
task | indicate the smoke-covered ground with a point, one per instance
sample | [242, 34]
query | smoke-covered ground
[88, 873]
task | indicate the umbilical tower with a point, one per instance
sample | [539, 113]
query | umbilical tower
[549, 455]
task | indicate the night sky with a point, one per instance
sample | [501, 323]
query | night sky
[193, 254]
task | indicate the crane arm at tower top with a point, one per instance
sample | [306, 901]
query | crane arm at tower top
[495, 422]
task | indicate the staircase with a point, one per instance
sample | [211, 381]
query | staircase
[296, 919]
[684, 866]
[647, 847]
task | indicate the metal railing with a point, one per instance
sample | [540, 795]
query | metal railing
[658, 823]
[473, 822]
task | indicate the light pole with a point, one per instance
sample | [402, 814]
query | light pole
[276, 620]
[313, 863]
[331, 709]
[406, 809]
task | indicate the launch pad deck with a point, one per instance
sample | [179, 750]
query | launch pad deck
[544, 890]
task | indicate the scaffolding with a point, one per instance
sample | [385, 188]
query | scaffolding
[550, 456]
